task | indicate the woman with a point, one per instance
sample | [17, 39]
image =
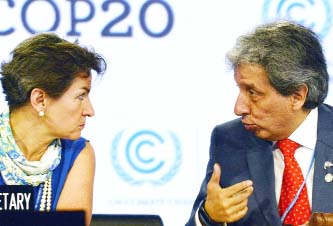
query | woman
[46, 85]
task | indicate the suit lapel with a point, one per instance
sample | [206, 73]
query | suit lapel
[322, 200]
[263, 178]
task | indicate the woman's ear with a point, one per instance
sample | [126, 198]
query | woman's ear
[299, 97]
[37, 100]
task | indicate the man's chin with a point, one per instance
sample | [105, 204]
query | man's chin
[262, 135]
[256, 131]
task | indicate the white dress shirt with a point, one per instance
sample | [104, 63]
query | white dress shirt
[306, 136]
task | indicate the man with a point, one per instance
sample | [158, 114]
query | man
[281, 73]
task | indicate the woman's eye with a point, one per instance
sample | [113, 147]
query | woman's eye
[81, 97]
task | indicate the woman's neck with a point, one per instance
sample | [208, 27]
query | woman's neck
[29, 133]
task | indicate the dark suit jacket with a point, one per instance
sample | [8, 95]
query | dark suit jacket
[243, 156]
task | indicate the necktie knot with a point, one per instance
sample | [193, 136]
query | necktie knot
[287, 147]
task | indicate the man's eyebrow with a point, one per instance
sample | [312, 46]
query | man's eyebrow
[248, 84]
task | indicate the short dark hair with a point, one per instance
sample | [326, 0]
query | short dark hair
[48, 62]
[292, 56]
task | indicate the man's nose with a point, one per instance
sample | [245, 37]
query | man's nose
[242, 105]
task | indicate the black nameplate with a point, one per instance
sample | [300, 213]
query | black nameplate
[37, 218]
[16, 198]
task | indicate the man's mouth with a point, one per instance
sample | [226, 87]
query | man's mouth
[250, 127]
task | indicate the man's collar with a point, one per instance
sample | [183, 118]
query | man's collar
[306, 133]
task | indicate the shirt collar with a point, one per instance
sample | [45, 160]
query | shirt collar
[306, 133]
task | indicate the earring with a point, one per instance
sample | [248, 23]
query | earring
[41, 113]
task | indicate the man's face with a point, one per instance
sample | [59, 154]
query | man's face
[264, 111]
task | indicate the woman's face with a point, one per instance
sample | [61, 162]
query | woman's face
[65, 117]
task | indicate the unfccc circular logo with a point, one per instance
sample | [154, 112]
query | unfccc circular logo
[143, 156]
[314, 14]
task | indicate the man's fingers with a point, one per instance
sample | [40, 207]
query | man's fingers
[243, 194]
[238, 201]
[243, 187]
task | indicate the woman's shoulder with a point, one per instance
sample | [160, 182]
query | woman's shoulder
[66, 143]
[72, 148]
[73, 145]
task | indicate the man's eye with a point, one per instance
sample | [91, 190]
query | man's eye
[252, 92]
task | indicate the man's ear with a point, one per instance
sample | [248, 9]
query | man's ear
[37, 99]
[298, 98]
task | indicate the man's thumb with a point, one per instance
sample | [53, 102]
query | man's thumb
[216, 173]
